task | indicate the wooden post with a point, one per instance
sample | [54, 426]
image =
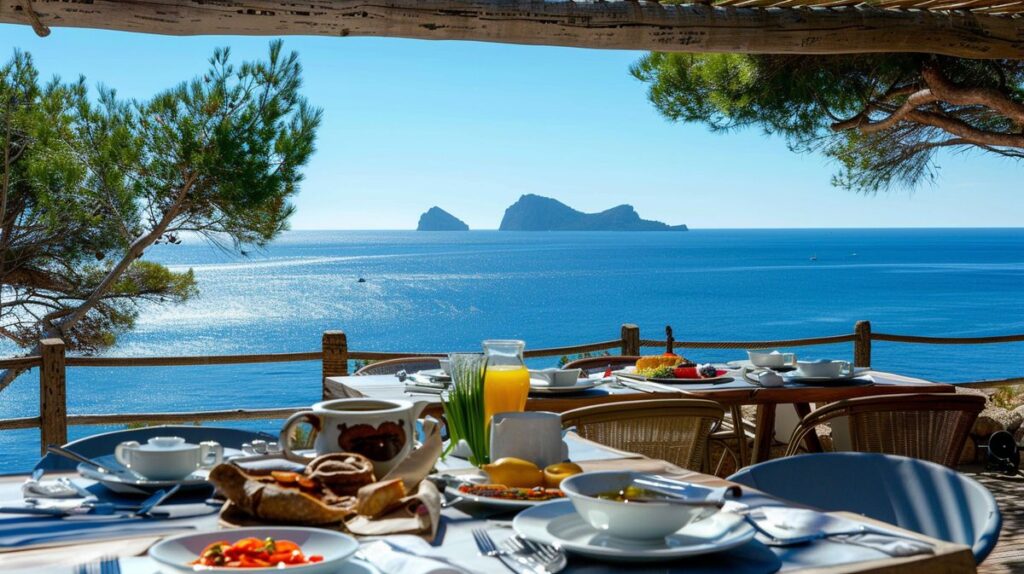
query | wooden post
[630, 339]
[862, 344]
[53, 408]
[335, 356]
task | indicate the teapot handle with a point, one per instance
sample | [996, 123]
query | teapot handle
[284, 439]
[121, 451]
[417, 409]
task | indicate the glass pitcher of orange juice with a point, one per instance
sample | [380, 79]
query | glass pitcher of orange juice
[506, 381]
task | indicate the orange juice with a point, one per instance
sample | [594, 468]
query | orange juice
[505, 390]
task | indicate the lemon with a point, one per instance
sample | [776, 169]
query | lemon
[554, 474]
[512, 471]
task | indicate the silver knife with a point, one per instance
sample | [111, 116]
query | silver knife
[635, 386]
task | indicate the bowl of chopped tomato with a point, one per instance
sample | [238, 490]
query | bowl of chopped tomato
[257, 550]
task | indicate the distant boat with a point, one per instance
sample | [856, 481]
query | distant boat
[814, 257]
[361, 280]
[854, 254]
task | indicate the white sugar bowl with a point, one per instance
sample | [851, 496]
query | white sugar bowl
[168, 457]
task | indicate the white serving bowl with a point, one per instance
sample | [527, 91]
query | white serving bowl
[175, 554]
[557, 377]
[631, 521]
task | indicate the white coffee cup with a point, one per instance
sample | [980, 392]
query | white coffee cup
[824, 368]
[168, 457]
[771, 359]
[535, 436]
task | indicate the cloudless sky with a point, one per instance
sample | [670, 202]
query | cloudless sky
[471, 126]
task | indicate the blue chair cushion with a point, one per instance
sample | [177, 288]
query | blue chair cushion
[916, 495]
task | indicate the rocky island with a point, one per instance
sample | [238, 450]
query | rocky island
[537, 213]
[437, 219]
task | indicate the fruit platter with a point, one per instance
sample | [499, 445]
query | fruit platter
[673, 369]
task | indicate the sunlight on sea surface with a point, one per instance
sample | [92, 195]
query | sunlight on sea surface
[448, 291]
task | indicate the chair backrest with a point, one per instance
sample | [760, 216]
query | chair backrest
[675, 430]
[913, 494]
[104, 443]
[407, 364]
[592, 365]
[930, 427]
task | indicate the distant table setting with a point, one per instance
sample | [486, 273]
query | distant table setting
[364, 483]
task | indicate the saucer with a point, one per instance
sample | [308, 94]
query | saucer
[558, 523]
[747, 364]
[128, 482]
[581, 385]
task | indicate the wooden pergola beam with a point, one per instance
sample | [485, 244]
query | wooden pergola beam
[613, 24]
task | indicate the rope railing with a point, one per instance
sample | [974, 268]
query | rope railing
[947, 340]
[335, 358]
[750, 344]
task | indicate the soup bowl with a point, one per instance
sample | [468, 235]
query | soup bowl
[627, 520]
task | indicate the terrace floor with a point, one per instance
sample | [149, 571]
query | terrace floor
[1008, 555]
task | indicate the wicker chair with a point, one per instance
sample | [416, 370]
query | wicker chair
[675, 430]
[929, 427]
[592, 365]
[407, 364]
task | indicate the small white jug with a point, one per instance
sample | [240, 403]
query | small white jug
[533, 436]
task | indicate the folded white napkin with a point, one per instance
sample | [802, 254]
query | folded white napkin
[405, 555]
[784, 523]
[769, 379]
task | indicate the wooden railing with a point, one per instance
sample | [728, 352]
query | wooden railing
[53, 419]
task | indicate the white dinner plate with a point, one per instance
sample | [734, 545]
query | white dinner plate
[495, 503]
[128, 482]
[795, 377]
[581, 385]
[177, 552]
[558, 523]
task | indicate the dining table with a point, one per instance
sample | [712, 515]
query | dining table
[454, 543]
[733, 391]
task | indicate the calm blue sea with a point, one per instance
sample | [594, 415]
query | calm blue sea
[448, 291]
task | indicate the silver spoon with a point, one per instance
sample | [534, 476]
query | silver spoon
[70, 454]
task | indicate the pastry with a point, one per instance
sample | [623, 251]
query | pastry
[342, 473]
[288, 497]
[380, 497]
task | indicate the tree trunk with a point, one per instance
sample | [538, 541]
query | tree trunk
[135, 250]
[614, 24]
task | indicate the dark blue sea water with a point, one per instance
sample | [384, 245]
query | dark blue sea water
[448, 291]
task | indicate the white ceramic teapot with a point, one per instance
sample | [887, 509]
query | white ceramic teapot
[168, 457]
[382, 431]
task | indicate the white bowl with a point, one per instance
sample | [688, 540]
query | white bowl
[771, 359]
[630, 521]
[177, 553]
[557, 377]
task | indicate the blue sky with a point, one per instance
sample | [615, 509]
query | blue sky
[470, 127]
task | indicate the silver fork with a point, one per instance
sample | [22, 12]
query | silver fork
[485, 544]
[549, 558]
[110, 565]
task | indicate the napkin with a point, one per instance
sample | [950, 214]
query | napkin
[786, 522]
[36, 531]
[404, 555]
[769, 379]
[419, 512]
